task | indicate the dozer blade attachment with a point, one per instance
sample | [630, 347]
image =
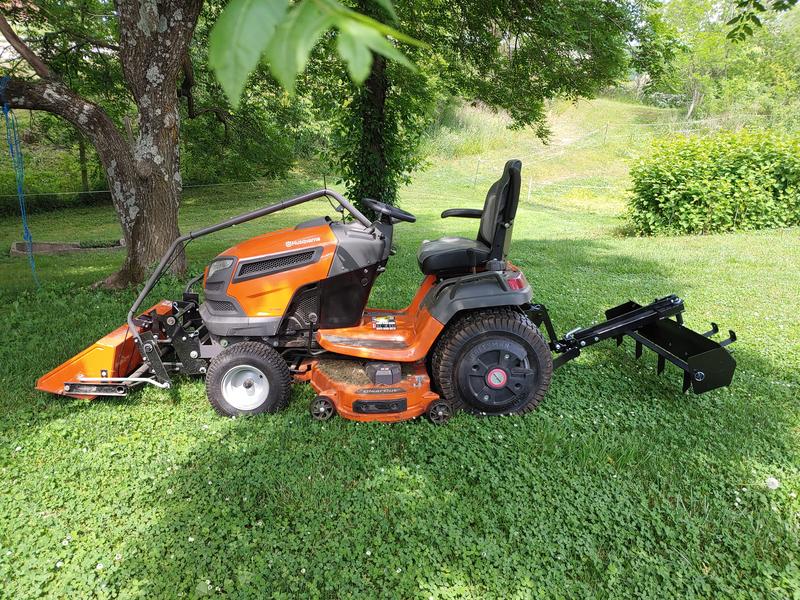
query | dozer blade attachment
[91, 373]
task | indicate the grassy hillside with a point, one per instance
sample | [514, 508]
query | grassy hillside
[618, 486]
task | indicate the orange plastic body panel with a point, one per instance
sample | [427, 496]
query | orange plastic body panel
[115, 353]
[416, 332]
[270, 296]
[414, 388]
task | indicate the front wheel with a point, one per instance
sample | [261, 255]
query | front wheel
[248, 378]
[493, 362]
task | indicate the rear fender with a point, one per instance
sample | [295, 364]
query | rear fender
[487, 289]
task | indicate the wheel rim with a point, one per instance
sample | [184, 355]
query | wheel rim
[322, 409]
[245, 387]
[440, 412]
[495, 374]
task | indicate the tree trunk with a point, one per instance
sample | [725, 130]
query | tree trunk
[154, 216]
[697, 98]
[374, 179]
[144, 173]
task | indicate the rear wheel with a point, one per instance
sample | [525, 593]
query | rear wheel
[493, 362]
[248, 378]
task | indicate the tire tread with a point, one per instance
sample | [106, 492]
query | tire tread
[472, 324]
[248, 349]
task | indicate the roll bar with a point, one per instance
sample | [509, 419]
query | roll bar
[183, 241]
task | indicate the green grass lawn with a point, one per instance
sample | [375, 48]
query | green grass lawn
[618, 486]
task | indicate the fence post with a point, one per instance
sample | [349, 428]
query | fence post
[530, 183]
[477, 168]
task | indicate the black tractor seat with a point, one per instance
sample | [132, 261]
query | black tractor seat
[456, 255]
[451, 254]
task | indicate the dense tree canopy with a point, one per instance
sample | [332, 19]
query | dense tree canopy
[509, 55]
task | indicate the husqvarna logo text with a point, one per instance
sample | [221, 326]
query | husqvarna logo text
[310, 240]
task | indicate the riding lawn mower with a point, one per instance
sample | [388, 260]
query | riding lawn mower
[291, 305]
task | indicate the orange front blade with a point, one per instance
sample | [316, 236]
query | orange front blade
[114, 355]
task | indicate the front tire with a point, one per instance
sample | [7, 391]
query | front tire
[493, 362]
[248, 378]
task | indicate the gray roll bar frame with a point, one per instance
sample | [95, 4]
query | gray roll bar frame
[183, 241]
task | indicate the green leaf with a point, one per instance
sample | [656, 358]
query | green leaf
[343, 12]
[238, 39]
[295, 38]
[387, 6]
[355, 53]
[355, 39]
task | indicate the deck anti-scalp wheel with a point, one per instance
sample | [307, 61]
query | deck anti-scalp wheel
[322, 408]
[494, 362]
[248, 378]
[439, 412]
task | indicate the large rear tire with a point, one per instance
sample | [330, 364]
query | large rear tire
[248, 378]
[493, 361]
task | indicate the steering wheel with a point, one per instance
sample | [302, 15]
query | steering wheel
[391, 212]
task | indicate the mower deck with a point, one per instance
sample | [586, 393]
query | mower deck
[355, 396]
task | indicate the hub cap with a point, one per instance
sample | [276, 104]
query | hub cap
[495, 375]
[496, 378]
[245, 387]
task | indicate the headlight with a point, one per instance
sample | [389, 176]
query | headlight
[218, 265]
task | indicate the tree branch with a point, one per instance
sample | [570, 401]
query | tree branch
[58, 99]
[186, 91]
[80, 40]
[38, 65]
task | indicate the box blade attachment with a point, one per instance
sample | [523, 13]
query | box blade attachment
[658, 326]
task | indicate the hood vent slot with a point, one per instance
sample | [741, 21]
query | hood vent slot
[267, 266]
[221, 306]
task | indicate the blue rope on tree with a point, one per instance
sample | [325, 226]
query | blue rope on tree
[12, 137]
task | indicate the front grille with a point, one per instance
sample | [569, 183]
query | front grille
[307, 304]
[271, 265]
[221, 306]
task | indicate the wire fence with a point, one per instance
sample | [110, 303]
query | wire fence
[632, 133]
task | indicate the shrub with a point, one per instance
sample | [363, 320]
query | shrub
[726, 182]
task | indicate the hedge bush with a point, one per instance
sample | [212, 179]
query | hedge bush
[729, 181]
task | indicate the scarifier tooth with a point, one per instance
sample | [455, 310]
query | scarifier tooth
[661, 363]
[687, 381]
[638, 349]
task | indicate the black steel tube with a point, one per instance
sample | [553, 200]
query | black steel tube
[243, 218]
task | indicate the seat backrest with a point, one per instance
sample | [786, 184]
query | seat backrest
[499, 210]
